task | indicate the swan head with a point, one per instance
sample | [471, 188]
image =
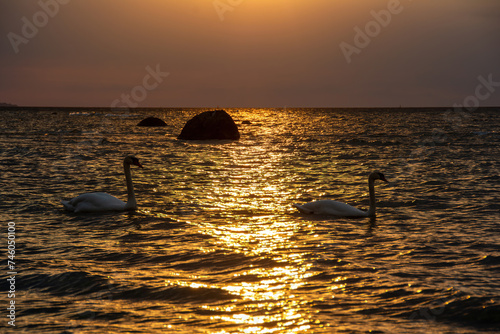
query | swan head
[378, 176]
[131, 160]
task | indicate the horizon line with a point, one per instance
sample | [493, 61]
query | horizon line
[259, 107]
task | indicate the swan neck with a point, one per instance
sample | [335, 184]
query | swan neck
[131, 202]
[371, 187]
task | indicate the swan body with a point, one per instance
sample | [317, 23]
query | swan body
[334, 208]
[94, 202]
[101, 202]
[329, 207]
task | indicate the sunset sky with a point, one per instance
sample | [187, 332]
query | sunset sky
[248, 53]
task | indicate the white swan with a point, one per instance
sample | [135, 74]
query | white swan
[329, 207]
[100, 202]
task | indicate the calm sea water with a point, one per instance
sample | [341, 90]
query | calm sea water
[216, 246]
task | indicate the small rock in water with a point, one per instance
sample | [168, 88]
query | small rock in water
[152, 121]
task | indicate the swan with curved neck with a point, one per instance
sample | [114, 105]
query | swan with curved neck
[329, 207]
[100, 202]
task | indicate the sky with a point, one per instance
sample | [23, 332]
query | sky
[250, 53]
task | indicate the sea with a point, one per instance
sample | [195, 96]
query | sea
[216, 245]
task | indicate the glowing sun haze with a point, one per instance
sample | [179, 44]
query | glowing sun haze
[248, 53]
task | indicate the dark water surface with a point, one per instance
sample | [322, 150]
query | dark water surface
[216, 246]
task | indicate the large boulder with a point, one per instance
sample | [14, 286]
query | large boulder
[152, 121]
[216, 124]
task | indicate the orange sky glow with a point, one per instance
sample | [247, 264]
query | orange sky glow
[230, 53]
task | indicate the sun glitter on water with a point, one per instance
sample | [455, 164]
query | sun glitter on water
[265, 297]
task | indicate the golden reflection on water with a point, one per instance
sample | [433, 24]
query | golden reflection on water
[247, 191]
[266, 301]
[248, 182]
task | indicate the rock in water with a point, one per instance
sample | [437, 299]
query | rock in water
[152, 121]
[216, 124]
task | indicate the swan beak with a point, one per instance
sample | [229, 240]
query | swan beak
[138, 164]
[383, 179]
